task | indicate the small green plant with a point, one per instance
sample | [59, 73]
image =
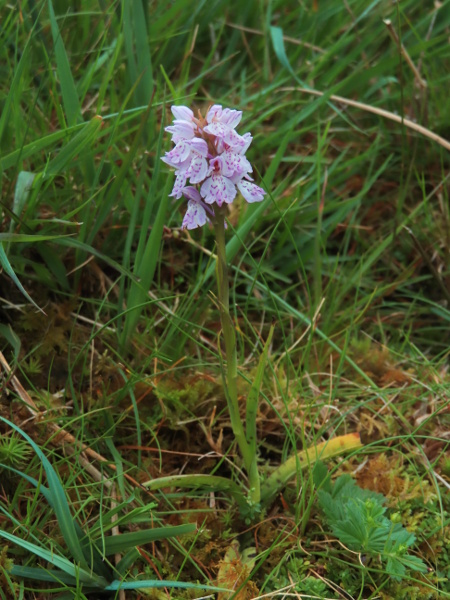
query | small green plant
[14, 452]
[358, 519]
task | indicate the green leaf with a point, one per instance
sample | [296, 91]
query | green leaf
[74, 243]
[73, 148]
[10, 336]
[36, 146]
[53, 575]
[22, 191]
[58, 500]
[4, 262]
[14, 86]
[120, 543]
[357, 518]
[321, 477]
[68, 88]
[153, 583]
[253, 395]
[90, 549]
[22, 238]
[137, 49]
[145, 271]
[58, 561]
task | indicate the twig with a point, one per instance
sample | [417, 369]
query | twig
[423, 84]
[377, 111]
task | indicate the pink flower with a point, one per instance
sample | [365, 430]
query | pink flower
[235, 164]
[218, 188]
[229, 117]
[226, 137]
[182, 112]
[198, 167]
[196, 214]
[178, 186]
[189, 157]
[181, 130]
[178, 155]
[210, 154]
[250, 191]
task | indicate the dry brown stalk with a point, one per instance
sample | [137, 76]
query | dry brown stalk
[377, 111]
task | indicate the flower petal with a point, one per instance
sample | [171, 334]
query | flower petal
[251, 192]
[231, 117]
[180, 182]
[192, 193]
[182, 112]
[198, 169]
[235, 164]
[214, 113]
[181, 130]
[248, 140]
[199, 146]
[195, 216]
[218, 189]
[227, 116]
[178, 154]
[236, 142]
[220, 130]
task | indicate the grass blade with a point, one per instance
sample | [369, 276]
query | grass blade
[4, 262]
[73, 148]
[60, 562]
[120, 543]
[158, 584]
[68, 88]
[59, 500]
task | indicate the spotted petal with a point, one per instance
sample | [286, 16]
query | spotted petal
[198, 169]
[178, 154]
[195, 216]
[218, 189]
[181, 130]
[235, 164]
[180, 182]
[251, 192]
[231, 117]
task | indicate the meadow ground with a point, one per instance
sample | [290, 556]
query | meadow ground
[120, 475]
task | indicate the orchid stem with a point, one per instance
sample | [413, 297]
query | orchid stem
[230, 373]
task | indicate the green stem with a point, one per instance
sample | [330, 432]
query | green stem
[208, 482]
[229, 335]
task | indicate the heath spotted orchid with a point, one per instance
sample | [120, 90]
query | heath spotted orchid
[209, 155]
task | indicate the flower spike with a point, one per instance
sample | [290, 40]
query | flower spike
[210, 155]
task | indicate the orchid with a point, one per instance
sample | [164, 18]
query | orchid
[211, 169]
[209, 154]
